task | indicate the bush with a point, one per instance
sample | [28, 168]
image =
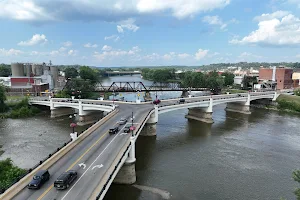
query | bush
[9, 173]
[289, 105]
[297, 92]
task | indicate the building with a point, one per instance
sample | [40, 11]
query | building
[296, 79]
[281, 77]
[238, 80]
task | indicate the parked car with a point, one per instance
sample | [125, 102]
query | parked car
[122, 121]
[39, 179]
[156, 101]
[114, 130]
[127, 129]
[181, 100]
[65, 179]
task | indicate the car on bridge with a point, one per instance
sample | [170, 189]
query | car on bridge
[181, 100]
[65, 179]
[127, 129]
[122, 121]
[156, 101]
[114, 130]
[39, 179]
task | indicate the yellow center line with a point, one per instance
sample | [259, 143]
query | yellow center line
[42, 196]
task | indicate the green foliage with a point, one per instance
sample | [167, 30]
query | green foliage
[228, 78]
[5, 70]
[71, 72]
[200, 80]
[62, 94]
[8, 173]
[297, 92]
[20, 110]
[80, 88]
[248, 82]
[159, 75]
[3, 106]
[87, 73]
[288, 105]
[296, 177]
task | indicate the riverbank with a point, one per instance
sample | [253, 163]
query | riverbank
[19, 109]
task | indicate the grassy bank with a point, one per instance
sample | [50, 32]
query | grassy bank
[288, 103]
[19, 109]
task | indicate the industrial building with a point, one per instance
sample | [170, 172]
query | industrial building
[33, 78]
[277, 77]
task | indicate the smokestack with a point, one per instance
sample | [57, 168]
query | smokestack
[274, 74]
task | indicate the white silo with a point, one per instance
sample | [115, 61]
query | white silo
[17, 69]
[28, 69]
[37, 69]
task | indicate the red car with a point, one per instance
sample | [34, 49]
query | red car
[156, 101]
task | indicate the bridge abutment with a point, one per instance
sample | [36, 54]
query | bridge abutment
[59, 112]
[150, 127]
[127, 174]
[185, 93]
[202, 114]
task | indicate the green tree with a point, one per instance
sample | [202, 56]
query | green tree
[3, 106]
[249, 81]
[296, 177]
[5, 70]
[297, 92]
[228, 78]
[8, 173]
[87, 73]
[71, 72]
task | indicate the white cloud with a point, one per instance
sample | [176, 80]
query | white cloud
[112, 37]
[183, 55]
[72, 52]
[298, 56]
[112, 54]
[36, 39]
[167, 57]
[106, 48]
[128, 24]
[10, 52]
[180, 8]
[67, 43]
[280, 31]
[89, 45]
[200, 54]
[246, 56]
[270, 16]
[214, 20]
[106, 10]
[62, 49]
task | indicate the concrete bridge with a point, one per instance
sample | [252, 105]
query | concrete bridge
[100, 158]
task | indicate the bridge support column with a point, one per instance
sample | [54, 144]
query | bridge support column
[127, 174]
[202, 114]
[150, 126]
[275, 96]
[89, 117]
[185, 93]
[58, 112]
[243, 108]
[147, 96]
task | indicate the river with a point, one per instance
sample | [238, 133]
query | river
[239, 157]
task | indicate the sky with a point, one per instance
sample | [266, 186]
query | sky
[111, 33]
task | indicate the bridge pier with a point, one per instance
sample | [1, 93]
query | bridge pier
[150, 126]
[202, 114]
[185, 93]
[239, 107]
[147, 96]
[127, 174]
[89, 117]
[59, 112]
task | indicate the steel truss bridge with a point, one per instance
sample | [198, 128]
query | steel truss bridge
[139, 86]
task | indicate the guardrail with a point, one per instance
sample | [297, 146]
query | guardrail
[51, 159]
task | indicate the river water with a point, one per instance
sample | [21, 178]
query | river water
[239, 157]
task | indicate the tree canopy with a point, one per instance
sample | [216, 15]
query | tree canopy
[87, 73]
[5, 70]
[228, 78]
[3, 106]
[71, 72]
[159, 75]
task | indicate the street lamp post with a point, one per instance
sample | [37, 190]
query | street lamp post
[72, 124]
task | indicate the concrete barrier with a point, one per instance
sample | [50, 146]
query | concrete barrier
[16, 188]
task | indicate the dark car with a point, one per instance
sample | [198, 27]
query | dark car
[114, 130]
[127, 129]
[39, 179]
[181, 101]
[156, 101]
[65, 179]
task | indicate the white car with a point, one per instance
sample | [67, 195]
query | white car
[122, 121]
